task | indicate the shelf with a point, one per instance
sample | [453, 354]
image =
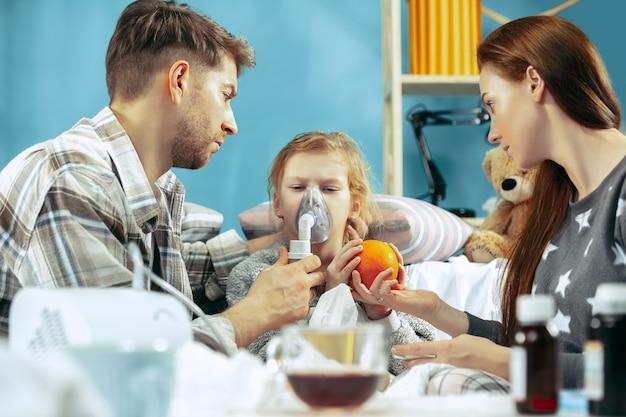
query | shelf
[439, 85]
[396, 85]
[436, 85]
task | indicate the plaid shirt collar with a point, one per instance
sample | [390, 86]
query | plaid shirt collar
[128, 169]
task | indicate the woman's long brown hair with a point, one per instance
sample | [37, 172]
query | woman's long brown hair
[577, 80]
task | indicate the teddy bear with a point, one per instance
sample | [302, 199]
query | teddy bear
[514, 187]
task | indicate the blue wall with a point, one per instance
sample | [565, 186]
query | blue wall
[318, 67]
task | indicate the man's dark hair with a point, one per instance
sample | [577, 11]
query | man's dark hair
[152, 34]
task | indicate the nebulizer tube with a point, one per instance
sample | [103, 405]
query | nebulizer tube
[313, 222]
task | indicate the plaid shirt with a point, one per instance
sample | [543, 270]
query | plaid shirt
[70, 206]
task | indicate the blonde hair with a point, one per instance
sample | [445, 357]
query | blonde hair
[345, 148]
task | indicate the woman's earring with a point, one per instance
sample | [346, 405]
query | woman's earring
[280, 216]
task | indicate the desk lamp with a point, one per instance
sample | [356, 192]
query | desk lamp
[421, 118]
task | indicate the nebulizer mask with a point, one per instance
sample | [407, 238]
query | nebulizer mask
[313, 222]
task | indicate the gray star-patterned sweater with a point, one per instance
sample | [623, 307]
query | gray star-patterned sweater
[588, 249]
[404, 327]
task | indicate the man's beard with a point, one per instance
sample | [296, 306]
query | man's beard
[190, 148]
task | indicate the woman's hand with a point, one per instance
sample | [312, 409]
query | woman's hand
[420, 303]
[463, 351]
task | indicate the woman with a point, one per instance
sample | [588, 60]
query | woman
[552, 106]
[333, 163]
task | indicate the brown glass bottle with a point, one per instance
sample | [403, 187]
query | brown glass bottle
[605, 353]
[534, 358]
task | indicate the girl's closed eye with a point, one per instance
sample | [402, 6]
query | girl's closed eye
[330, 189]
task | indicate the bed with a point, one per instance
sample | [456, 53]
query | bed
[430, 239]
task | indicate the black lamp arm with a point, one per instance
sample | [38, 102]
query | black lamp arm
[436, 183]
[421, 118]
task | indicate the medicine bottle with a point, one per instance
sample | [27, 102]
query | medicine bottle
[605, 352]
[534, 369]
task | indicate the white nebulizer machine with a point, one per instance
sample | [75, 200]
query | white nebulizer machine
[46, 320]
[313, 222]
[124, 339]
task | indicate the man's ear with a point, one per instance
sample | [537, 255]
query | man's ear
[535, 82]
[178, 80]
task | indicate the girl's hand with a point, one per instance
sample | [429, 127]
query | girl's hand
[344, 262]
[392, 295]
[374, 307]
[365, 295]
[401, 272]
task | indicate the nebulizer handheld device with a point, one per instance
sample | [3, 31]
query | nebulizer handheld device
[313, 222]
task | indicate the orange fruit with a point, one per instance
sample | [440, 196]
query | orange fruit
[377, 256]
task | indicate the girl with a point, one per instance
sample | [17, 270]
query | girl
[333, 163]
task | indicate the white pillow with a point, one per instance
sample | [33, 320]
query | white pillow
[420, 230]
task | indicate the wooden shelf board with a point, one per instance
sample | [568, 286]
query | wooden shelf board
[440, 85]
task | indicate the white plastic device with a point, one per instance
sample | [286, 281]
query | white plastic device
[44, 320]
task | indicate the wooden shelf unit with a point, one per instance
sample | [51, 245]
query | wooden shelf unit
[396, 85]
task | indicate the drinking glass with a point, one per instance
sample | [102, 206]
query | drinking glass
[336, 367]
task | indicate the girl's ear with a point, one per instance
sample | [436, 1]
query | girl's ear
[276, 205]
[355, 217]
[356, 208]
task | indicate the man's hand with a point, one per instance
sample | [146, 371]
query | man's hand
[280, 295]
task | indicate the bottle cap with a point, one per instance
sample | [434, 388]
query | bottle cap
[611, 298]
[537, 308]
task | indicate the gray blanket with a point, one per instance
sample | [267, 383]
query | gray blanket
[411, 329]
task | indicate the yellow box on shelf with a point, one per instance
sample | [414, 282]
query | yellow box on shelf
[443, 36]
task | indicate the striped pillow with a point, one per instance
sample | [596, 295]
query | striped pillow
[200, 223]
[420, 230]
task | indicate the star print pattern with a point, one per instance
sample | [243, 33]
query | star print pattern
[583, 220]
[549, 249]
[621, 204]
[563, 283]
[594, 305]
[620, 256]
[562, 322]
[589, 248]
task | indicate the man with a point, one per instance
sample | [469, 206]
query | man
[69, 207]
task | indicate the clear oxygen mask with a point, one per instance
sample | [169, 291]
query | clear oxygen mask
[313, 222]
[313, 205]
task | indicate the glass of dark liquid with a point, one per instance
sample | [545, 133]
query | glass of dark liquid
[332, 367]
